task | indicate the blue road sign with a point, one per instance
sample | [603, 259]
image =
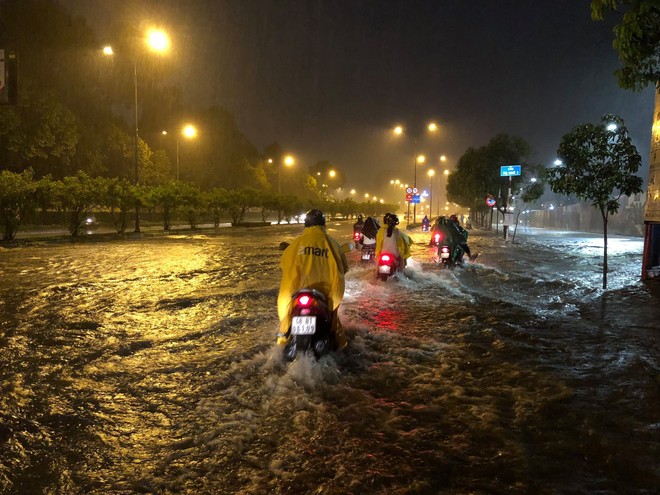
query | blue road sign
[416, 198]
[510, 170]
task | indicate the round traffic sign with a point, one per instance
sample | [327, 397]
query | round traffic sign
[415, 190]
[409, 190]
[490, 201]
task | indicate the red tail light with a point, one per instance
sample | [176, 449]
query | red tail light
[385, 258]
[356, 236]
[444, 249]
[437, 237]
[304, 301]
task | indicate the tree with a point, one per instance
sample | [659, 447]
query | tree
[477, 173]
[530, 192]
[78, 195]
[168, 197]
[39, 132]
[637, 40]
[119, 197]
[17, 194]
[217, 201]
[292, 207]
[156, 168]
[598, 165]
[239, 202]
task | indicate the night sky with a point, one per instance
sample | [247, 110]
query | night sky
[329, 79]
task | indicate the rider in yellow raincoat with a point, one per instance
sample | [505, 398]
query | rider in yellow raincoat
[313, 260]
[392, 240]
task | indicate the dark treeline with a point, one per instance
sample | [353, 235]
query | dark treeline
[75, 112]
[68, 144]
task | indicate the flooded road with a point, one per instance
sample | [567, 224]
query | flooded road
[148, 365]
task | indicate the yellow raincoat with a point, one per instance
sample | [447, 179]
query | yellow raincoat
[403, 242]
[313, 260]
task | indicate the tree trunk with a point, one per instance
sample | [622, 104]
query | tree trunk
[604, 249]
[515, 229]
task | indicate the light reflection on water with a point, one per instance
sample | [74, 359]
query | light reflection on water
[148, 366]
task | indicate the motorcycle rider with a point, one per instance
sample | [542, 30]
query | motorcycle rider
[359, 224]
[449, 234]
[357, 230]
[392, 240]
[369, 231]
[425, 223]
[464, 233]
[313, 260]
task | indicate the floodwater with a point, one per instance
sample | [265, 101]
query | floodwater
[148, 365]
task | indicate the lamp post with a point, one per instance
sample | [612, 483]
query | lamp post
[188, 131]
[288, 161]
[446, 174]
[431, 128]
[431, 173]
[158, 41]
[419, 159]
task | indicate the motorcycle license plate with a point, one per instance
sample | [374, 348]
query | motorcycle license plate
[303, 325]
[444, 256]
[366, 256]
[384, 269]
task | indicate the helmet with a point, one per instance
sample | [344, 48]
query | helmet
[359, 218]
[453, 218]
[314, 217]
[391, 219]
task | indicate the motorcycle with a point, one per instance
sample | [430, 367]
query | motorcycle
[311, 322]
[368, 253]
[357, 236]
[436, 237]
[387, 266]
[449, 259]
[311, 325]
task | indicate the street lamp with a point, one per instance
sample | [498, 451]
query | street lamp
[157, 41]
[420, 159]
[432, 128]
[188, 131]
[431, 173]
[446, 174]
[288, 161]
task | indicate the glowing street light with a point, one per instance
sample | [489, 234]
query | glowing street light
[288, 160]
[431, 173]
[432, 128]
[158, 41]
[446, 174]
[188, 131]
